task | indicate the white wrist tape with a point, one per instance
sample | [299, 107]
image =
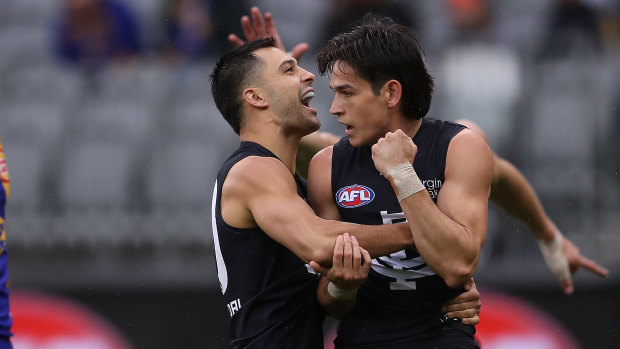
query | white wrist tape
[339, 293]
[404, 181]
[552, 252]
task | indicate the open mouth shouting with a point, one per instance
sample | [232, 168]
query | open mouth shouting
[305, 99]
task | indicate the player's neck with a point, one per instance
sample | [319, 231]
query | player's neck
[285, 148]
[410, 127]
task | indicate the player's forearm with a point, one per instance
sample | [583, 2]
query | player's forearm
[336, 308]
[314, 241]
[448, 247]
[381, 240]
[513, 193]
[378, 240]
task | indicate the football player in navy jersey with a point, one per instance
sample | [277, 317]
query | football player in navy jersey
[264, 231]
[435, 174]
[509, 189]
[364, 127]
[6, 319]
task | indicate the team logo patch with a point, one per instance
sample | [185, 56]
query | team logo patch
[354, 196]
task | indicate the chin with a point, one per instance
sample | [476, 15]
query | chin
[355, 142]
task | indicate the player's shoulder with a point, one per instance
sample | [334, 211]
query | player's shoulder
[469, 149]
[323, 156]
[469, 139]
[256, 169]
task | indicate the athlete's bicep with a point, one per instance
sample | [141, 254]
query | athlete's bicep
[465, 193]
[277, 208]
[320, 185]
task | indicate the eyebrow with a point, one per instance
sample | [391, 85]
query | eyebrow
[288, 61]
[342, 87]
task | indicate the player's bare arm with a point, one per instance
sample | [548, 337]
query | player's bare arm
[466, 306]
[512, 192]
[449, 235]
[261, 191]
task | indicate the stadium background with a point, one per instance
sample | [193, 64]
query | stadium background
[112, 171]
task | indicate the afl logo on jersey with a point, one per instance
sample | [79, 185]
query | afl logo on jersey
[354, 196]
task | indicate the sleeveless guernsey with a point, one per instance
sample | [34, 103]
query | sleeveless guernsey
[399, 305]
[6, 320]
[269, 292]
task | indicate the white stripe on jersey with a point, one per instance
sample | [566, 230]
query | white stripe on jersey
[222, 273]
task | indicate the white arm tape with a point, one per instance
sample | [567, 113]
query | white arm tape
[338, 293]
[552, 252]
[404, 180]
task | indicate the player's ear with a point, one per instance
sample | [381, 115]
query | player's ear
[255, 97]
[392, 92]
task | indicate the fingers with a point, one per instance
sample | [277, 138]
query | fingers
[256, 26]
[257, 22]
[468, 315]
[593, 266]
[357, 253]
[299, 50]
[471, 321]
[270, 27]
[567, 286]
[466, 311]
[318, 268]
[247, 28]
[463, 304]
[367, 261]
[348, 253]
[235, 40]
[466, 306]
[338, 252]
[464, 300]
[351, 263]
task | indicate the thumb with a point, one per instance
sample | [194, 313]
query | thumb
[318, 268]
[299, 50]
[235, 40]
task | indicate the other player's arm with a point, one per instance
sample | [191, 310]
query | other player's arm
[320, 198]
[513, 193]
[448, 235]
[271, 202]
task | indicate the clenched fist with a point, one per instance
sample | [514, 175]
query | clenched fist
[394, 149]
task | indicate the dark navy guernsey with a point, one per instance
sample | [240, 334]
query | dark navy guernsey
[269, 292]
[399, 305]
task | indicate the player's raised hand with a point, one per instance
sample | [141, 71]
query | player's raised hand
[466, 306]
[394, 149]
[256, 26]
[564, 259]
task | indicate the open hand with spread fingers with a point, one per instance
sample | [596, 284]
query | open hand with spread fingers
[256, 26]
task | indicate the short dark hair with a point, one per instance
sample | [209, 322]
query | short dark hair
[379, 49]
[231, 75]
